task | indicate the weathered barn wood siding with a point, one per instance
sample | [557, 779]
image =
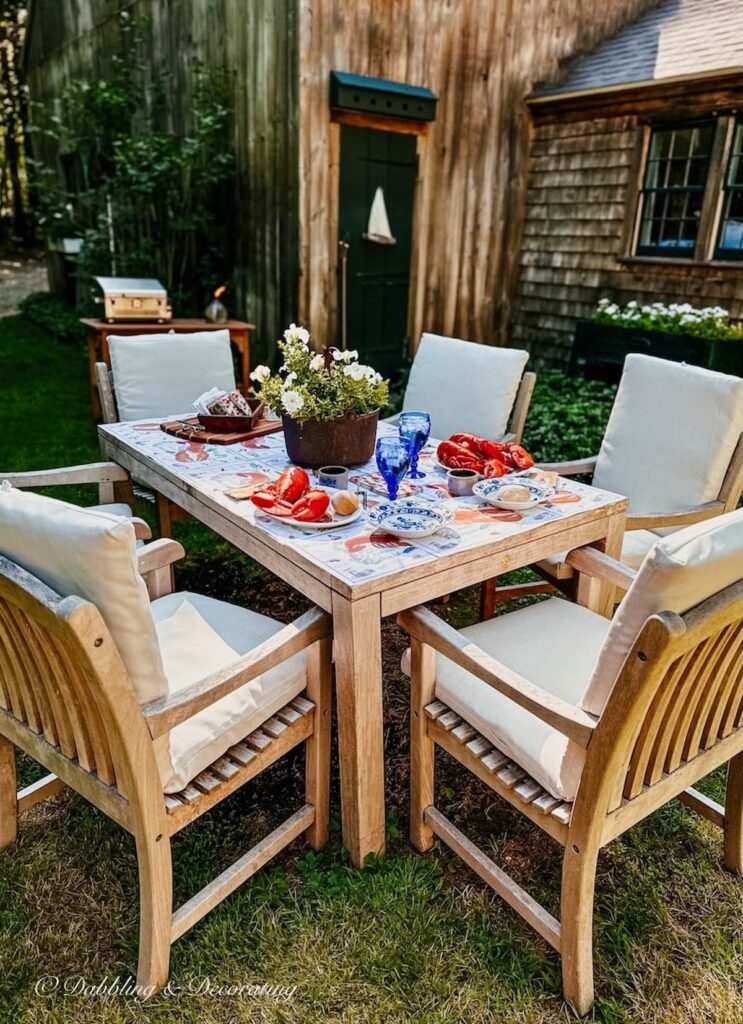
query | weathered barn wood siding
[256, 40]
[482, 58]
[579, 177]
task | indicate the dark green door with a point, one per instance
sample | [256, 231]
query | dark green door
[378, 276]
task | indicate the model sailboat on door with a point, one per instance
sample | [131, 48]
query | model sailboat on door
[378, 229]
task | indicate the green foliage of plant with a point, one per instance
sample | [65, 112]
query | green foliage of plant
[141, 196]
[567, 417]
[678, 318]
[53, 314]
[311, 386]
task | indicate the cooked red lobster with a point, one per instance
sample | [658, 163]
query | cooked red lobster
[292, 496]
[490, 458]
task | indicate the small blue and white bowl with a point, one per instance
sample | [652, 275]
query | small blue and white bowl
[410, 519]
[488, 490]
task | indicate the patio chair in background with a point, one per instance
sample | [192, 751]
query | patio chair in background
[152, 712]
[586, 725]
[472, 388]
[673, 445]
[158, 375]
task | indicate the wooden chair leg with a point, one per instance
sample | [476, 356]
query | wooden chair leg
[155, 912]
[163, 516]
[576, 926]
[733, 848]
[317, 746]
[487, 600]
[422, 748]
[8, 794]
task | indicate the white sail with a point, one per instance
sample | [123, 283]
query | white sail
[379, 225]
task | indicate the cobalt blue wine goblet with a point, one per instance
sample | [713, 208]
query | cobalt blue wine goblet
[393, 460]
[416, 428]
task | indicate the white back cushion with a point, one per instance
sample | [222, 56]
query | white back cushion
[92, 555]
[161, 374]
[464, 386]
[671, 434]
[679, 572]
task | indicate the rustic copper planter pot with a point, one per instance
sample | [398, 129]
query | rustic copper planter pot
[345, 441]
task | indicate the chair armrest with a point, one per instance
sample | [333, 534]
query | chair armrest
[571, 721]
[595, 563]
[142, 529]
[95, 473]
[681, 517]
[159, 554]
[570, 468]
[165, 713]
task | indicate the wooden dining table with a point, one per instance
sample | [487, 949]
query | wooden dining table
[360, 574]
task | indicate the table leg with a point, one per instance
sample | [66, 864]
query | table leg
[358, 673]
[596, 594]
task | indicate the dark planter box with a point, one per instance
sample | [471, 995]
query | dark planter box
[599, 350]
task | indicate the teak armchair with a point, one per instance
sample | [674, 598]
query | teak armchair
[67, 700]
[673, 445]
[158, 375]
[663, 707]
[465, 386]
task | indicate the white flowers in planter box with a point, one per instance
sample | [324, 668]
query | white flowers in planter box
[676, 318]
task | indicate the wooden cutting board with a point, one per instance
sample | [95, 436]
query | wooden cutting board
[191, 430]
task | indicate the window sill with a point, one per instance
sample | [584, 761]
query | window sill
[674, 261]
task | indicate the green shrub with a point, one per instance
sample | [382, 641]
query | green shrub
[53, 314]
[567, 417]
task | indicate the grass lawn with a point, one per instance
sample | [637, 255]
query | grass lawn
[412, 939]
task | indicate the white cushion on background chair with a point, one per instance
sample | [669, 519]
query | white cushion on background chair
[90, 554]
[670, 436]
[464, 386]
[680, 572]
[199, 635]
[161, 374]
[553, 644]
[635, 546]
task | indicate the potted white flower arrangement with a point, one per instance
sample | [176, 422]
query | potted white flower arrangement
[703, 336]
[329, 402]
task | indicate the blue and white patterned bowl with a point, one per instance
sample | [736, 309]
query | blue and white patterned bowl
[410, 519]
[488, 491]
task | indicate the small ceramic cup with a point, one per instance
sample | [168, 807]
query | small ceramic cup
[461, 481]
[333, 476]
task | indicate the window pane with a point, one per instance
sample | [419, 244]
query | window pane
[735, 171]
[731, 234]
[675, 177]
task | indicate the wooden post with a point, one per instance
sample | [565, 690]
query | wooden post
[317, 746]
[422, 748]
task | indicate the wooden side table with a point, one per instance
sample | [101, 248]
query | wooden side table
[99, 330]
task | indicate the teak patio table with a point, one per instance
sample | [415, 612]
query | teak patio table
[360, 575]
[97, 332]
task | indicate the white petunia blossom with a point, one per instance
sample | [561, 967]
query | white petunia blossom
[349, 356]
[292, 402]
[289, 380]
[297, 335]
[355, 371]
[260, 374]
[317, 363]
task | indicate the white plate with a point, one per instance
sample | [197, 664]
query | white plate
[488, 491]
[322, 524]
[410, 519]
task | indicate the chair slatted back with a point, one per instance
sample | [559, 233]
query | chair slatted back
[688, 701]
[62, 681]
[46, 683]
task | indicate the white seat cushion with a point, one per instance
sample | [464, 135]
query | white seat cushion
[113, 509]
[161, 374]
[680, 572]
[464, 386]
[635, 546]
[553, 644]
[670, 436]
[90, 554]
[199, 635]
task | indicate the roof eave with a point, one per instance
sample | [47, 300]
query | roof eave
[578, 95]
